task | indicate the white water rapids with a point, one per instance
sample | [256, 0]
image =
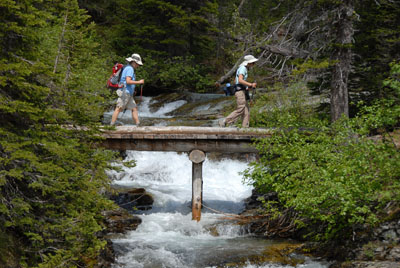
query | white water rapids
[167, 236]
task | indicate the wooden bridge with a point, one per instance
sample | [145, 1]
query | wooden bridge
[183, 139]
[196, 141]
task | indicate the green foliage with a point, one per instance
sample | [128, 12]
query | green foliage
[169, 28]
[183, 73]
[51, 177]
[263, 14]
[386, 112]
[377, 43]
[290, 106]
[53, 66]
[333, 175]
[386, 116]
[304, 66]
[393, 82]
[330, 175]
[177, 73]
[174, 38]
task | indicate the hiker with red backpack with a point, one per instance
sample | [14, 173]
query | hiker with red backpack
[113, 81]
[126, 92]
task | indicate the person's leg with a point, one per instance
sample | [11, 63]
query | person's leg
[246, 116]
[135, 116]
[241, 105]
[131, 105]
[115, 115]
[121, 104]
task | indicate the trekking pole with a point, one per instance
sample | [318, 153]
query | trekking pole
[141, 91]
[253, 92]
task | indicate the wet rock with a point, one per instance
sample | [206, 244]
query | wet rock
[276, 254]
[213, 231]
[255, 200]
[106, 257]
[123, 154]
[390, 236]
[133, 199]
[394, 254]
[282, 253]
[115, 221]
[195, 107]
[370, 264]
[159, 100]
[120, 221]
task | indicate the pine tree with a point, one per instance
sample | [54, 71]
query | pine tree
[50, 178]
[377, 44]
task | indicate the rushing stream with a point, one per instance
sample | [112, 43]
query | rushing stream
[168, 237]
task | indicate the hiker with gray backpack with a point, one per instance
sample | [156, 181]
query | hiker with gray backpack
[126, 92]
[241, 91]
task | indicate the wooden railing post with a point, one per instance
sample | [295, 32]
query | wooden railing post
[197, 157]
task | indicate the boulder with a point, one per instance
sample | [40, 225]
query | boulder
[133, 199]
[120, 221]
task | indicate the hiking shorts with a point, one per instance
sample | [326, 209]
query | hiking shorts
[125, 100]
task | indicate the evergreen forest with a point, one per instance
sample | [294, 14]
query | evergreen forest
[333, 66]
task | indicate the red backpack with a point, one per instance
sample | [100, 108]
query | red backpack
[113, 81]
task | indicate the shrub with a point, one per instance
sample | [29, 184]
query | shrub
[333, 175]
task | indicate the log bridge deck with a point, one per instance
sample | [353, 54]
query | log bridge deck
[183, 139]
[196, 141]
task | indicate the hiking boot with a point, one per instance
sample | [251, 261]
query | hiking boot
[222, 123]
[233, 126]
[116, 123]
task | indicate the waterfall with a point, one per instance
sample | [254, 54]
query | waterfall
[167, 236]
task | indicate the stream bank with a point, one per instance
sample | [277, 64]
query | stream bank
[170, 238]
[370, 248]
[378, 248]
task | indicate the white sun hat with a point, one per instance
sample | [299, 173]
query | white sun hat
[136, 58]
[248, 59]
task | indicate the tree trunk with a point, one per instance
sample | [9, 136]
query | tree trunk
[60, 44]
[241, 5]
[343, 59]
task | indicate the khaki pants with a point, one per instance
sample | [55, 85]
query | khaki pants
[242, 110]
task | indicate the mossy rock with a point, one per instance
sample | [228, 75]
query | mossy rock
[277, 253]
[120, 221]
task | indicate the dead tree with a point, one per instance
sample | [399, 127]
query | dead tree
[305, 34]
[277, 46]
[281, 47]
[342, 57]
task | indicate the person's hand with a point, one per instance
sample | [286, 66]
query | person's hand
[253, 85]
[141, 81]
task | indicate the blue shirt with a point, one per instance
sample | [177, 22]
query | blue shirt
[128, 71]
[242, 70]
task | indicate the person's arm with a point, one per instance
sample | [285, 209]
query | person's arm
[245, 83]
[129, 81]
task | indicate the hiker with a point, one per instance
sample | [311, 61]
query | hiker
[242, 88]
[125, 94]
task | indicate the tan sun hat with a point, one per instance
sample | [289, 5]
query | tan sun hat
[248, 59]
[136, 58]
